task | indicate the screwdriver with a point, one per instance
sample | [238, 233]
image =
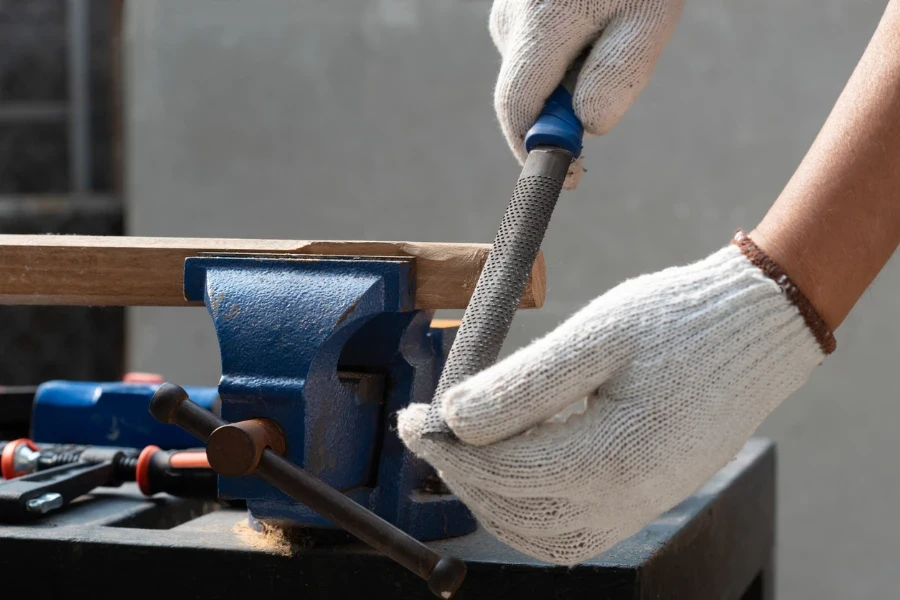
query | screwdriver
[181, 473]
[553, 143]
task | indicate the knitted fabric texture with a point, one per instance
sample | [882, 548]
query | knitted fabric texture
[675, 370]
[539, 39]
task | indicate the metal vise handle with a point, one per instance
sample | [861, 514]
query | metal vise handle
[247, 448]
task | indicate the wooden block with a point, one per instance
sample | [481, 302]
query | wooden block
[77, 270]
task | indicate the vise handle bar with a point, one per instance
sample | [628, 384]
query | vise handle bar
[247, 448]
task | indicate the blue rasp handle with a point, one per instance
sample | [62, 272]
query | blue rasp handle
[557, 125]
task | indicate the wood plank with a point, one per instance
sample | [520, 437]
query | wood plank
[77, 270]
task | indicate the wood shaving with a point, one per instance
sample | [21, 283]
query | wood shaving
[270, 539]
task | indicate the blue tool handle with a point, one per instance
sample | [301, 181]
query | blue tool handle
[108, 414]
[558, 126]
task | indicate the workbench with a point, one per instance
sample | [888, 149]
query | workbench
[718, 544]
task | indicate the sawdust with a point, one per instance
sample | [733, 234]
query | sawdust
[270, 539]
[277, 540]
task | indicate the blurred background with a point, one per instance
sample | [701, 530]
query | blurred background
[374, 120]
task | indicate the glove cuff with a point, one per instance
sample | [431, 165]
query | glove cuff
[820, 330]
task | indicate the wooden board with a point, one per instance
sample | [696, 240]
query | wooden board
[140, 271]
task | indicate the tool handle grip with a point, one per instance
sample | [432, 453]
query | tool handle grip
[557, 126]
[181, 473]
[187, 459]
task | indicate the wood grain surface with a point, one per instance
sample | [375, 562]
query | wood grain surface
[77, 270]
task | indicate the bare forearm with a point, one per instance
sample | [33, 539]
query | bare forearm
[837, 222]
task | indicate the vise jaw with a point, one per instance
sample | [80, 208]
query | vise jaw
[330, 348]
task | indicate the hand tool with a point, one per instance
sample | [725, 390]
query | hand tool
[41, 478]
[23, 456]
[255, 447]
[108, 413]
[28, 497]
[182, 473]
[553, 143]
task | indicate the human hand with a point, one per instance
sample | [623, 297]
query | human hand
[539, 39]
[679, 368]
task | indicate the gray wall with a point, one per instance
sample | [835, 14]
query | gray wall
[373, 120]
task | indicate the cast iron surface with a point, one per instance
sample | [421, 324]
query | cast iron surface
[717, 545]
[329, 348]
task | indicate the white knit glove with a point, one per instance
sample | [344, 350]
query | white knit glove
[539, 39]
[679, 368]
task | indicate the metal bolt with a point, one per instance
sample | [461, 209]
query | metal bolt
[44, 504]
[25, 460]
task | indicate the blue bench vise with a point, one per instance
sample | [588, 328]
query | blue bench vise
[330, 348]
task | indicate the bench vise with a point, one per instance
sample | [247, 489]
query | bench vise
[329, 348]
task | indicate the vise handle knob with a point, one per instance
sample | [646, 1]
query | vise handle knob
[254, 454]
[236, 449]
[171, 404]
